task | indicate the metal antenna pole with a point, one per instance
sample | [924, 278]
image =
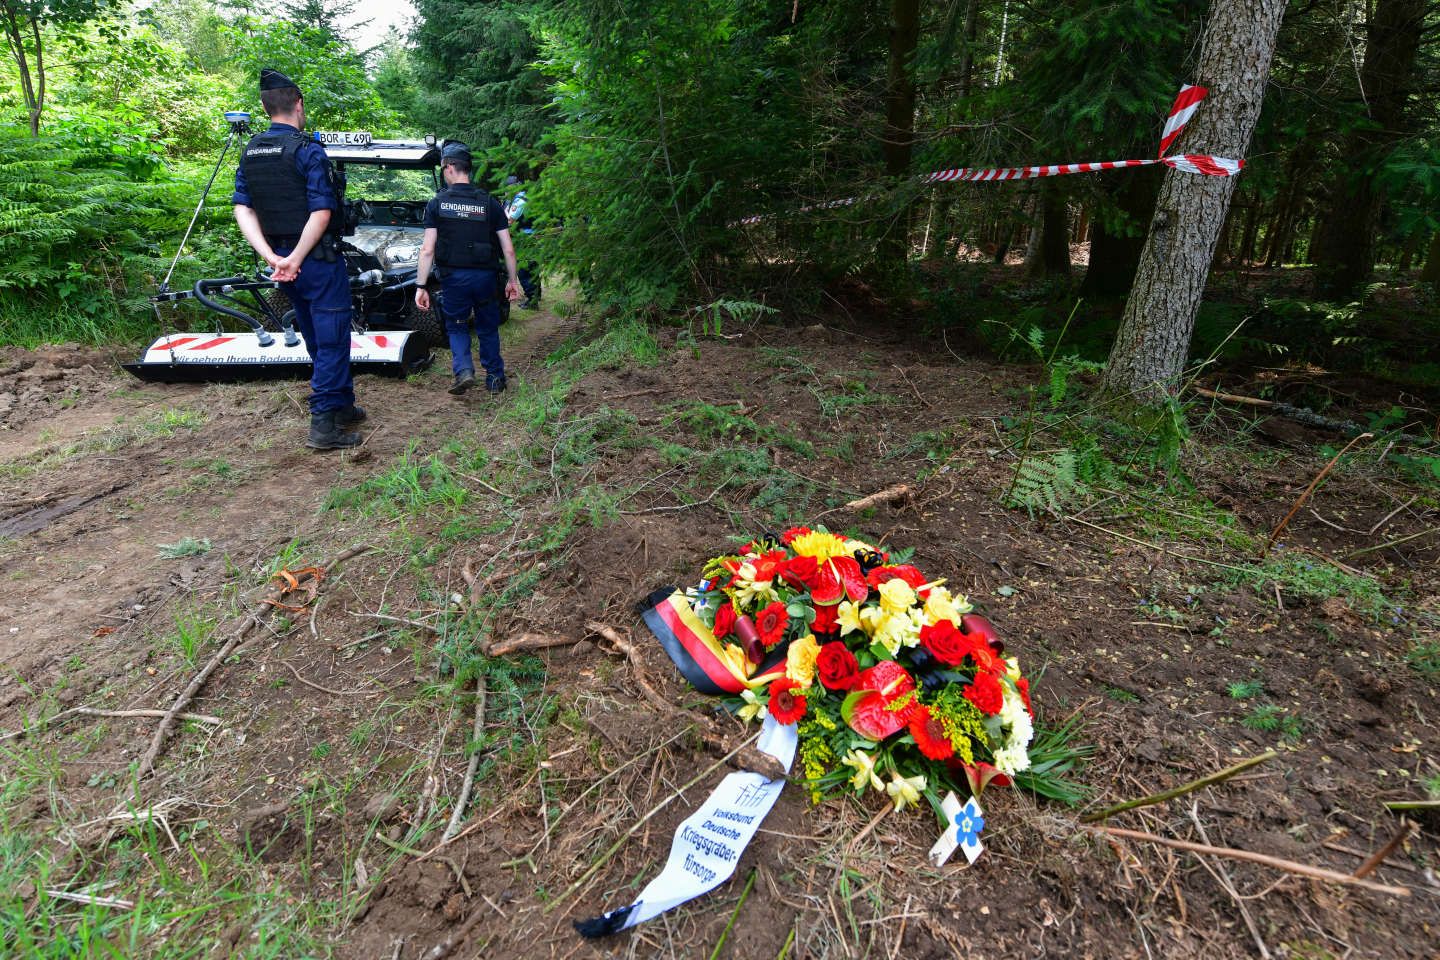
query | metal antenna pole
[235, 129]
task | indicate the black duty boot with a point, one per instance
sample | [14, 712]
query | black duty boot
[349, 416]
[495, 384]
[464, 380]
[326, 433]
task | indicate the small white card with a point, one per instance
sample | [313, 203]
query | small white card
[963, 827]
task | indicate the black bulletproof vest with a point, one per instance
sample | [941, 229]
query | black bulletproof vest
[277, 188]
[464, 231]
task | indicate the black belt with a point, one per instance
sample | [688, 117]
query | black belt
[282, 241]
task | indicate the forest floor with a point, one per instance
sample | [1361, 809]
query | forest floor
[138, 522]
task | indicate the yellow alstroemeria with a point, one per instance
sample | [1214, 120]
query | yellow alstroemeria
[905, 791]
[800, 660]
[750, 592]
[896, 595]
[753, 708]
[821, 546]
[896, 630]
[848, 616]
[864, 764]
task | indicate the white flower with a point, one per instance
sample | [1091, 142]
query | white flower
[753, 708]
[1011, 760]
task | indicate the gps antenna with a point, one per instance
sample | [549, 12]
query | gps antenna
[239, 122]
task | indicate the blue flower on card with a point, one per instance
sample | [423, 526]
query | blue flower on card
[968, 824]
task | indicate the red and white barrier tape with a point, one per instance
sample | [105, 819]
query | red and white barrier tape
[1180, 113]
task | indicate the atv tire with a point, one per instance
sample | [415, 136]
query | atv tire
[428, 325]
[281, 305]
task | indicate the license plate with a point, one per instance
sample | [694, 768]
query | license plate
[345, 138]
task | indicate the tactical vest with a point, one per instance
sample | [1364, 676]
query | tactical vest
[277, 187]
[464, 231]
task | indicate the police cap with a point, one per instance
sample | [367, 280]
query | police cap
[272, 79]
[454, 150]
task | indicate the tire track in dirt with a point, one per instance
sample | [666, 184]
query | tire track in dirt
[145, 465]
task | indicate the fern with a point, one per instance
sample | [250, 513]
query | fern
[1048, 483]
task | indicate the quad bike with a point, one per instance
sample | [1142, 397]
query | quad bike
[381, 248]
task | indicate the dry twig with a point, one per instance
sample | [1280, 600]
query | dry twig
[1280, 527]
[97, 712]
[527, 641]
[469, 784]
[1181, 790]
[1290, 866]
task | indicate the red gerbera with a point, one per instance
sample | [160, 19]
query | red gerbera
[984, 657]
[984, 691]
[929, 735]
[785, 704]
[904, 571]
[724, 620]
[771, 622]
[792, 533]
[827, 620]
[1023, 686]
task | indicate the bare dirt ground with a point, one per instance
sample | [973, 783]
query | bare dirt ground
[344, 725]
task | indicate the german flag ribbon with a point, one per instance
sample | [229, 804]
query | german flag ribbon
[711, 666]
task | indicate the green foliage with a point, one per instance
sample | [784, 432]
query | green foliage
[1055, 756]
[1424, 659]
[1245, 689]
[1269, 718]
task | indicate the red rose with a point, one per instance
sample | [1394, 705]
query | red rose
[984, 691]
[789, 535]
[947, 644]
[827, 620]
[724, 620]
[801, 572]
[786, 705]
[836, 666]
[771, 623]
[929, 735]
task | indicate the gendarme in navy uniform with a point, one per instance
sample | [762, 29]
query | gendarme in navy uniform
[466, 234]
[289, 203]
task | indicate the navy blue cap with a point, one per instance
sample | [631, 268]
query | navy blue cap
[272, 79]
[455, 150]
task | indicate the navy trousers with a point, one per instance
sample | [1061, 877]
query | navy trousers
[321, 297]
[464, 293]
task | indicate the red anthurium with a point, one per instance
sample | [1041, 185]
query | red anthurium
[980, 775]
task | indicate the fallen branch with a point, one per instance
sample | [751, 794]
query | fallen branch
[86, 898]
[476, 738]
[1324, 472]
[1156, 546]
[527, 641]
[1407, 827]
[1179, 791]
[97, 712]
[401, 620]
[1290, 866]
[899, 493]
[1392, 543]
[1393, 805]
[315, 686]
[241, 632]
[756, 760]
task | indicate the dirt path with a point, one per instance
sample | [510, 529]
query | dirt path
[99, 471]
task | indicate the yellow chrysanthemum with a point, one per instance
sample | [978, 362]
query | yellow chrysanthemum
[896, 595]
[864, 764]
[905, 791]
[821, 546]
[800, 660]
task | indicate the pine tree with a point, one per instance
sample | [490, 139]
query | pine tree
[1154, 337]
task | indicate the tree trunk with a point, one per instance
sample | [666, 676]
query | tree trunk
[1252, 230]
[967, 55]
[899, 138]
[1344, 254]
[1431, 273]
[1115, 250]
[1154, 338]
[1049, 253]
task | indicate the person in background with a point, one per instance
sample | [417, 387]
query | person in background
[288, 204]
[529, 275]
[466, 232]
